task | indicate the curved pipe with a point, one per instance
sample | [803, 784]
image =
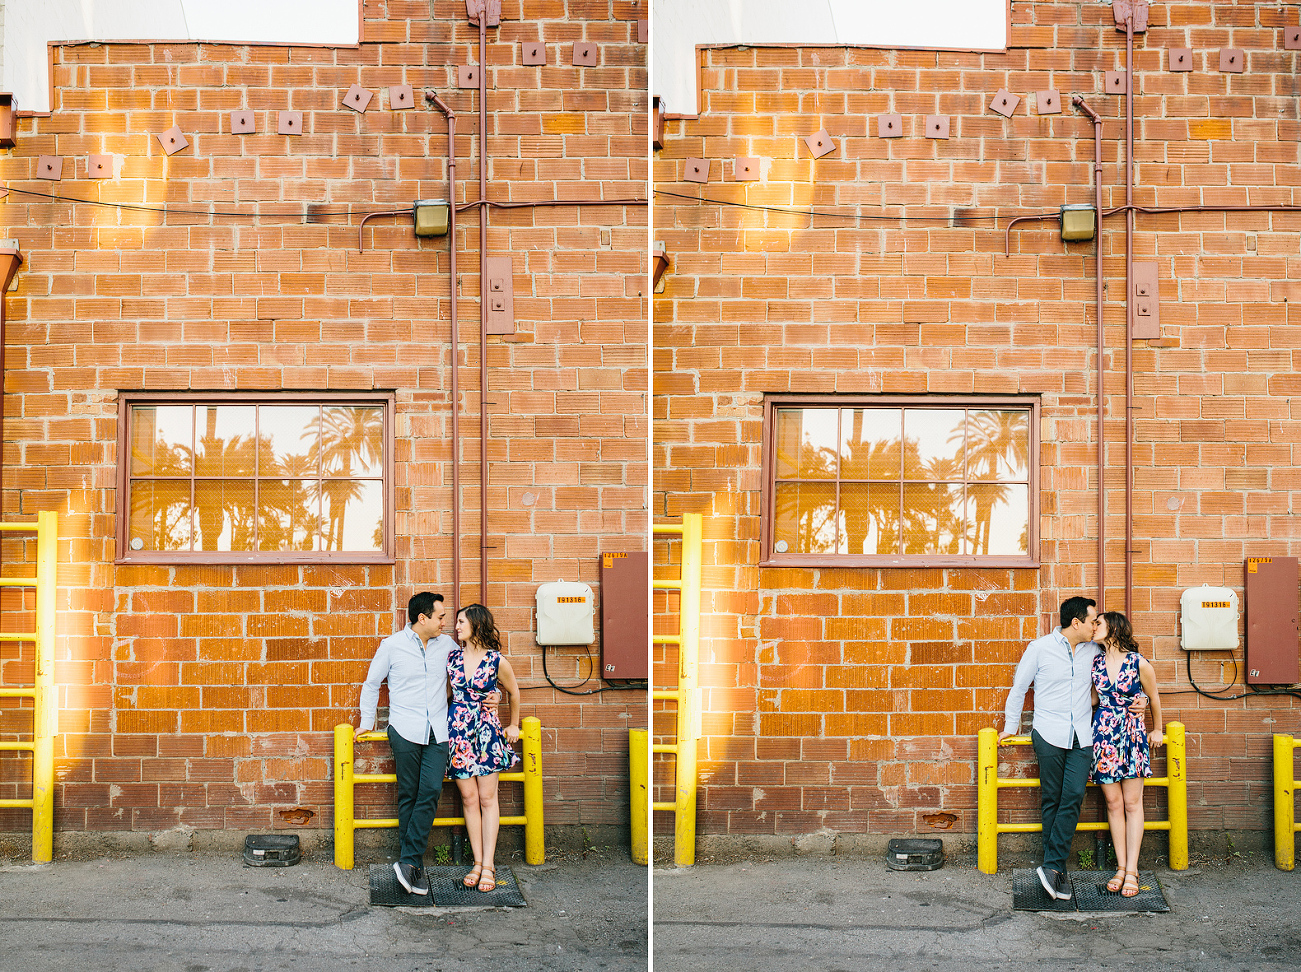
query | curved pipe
[456, 391]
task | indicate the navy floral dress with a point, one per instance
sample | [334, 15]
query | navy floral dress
[1120, 744]
[477, 741]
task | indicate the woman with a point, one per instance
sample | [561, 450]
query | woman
[1121, 744]
[480, 747]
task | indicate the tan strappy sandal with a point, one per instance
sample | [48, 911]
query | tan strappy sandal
[472, 878]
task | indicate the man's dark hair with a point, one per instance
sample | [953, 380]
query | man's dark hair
[1075, 608]
[422, 603]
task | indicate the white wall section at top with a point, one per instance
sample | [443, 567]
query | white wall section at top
[680, 25]
[29, 26]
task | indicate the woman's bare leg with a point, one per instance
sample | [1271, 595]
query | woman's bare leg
[1133, 794]
[490, 812]
[473, 818]
[1116, 822]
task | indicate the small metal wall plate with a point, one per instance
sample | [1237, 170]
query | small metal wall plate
[1147, 300]
[290, 123]
[400, 96]
[745, 169]
[49, 167]
[1004, 102]
[172, 140]
[533, 52]
[696, 170]
[500, 295]
[1179, 59]
[467, 76]
[643, 32]
[1232, 60]
[99, 167]
[1048, 101]
[820, 143]
[242, 123]
[889, 126]
[356, 98]
[937, 126]
[585, 55]
[1114, 82]
[1292, 38]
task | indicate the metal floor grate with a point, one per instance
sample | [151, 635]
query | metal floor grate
[1091, 894]
[445, 889]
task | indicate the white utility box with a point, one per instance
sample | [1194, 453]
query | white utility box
[1209, 619]
[566, 613]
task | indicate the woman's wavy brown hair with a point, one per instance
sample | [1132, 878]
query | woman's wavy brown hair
[482, 628]
[1119, 631]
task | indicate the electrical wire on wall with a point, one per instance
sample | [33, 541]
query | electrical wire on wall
[591, 670]
[1214, 693]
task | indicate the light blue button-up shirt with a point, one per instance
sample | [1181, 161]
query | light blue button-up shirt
[1063, 682]
[417, 686]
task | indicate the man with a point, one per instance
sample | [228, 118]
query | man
[415, 663]
[1060, 666]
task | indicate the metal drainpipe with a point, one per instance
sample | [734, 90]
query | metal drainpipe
[10, 260]
[483, 305]
[456, 393]
[1097, 275]
[1129, 313]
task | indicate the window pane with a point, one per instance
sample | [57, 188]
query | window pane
[932, 518]
[998, 444]
[354, 515]
[806, 518]
[806, 443]
[160, 515]
[290, 440]
[999, 519]
[352, 441]
[869, 518]
[869, 443]
[933, 439]
[224, 442]
[288, 514]
[224, 515]
[162, 438]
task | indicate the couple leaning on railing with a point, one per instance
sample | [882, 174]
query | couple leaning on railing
[1091, 690]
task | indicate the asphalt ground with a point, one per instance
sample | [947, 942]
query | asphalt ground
[196, 912]
[840, 913]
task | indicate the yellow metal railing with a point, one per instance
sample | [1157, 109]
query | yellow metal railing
[988, 784]
[345, 824]
[687, 692]
[45, 718]
[1285, 825]
[639, 793]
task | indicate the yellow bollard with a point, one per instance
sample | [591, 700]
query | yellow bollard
[1176, 762]
[639, 793]
[987, 801]
[1284, 802]
[46, 703]
[534, 837]
[343, 808]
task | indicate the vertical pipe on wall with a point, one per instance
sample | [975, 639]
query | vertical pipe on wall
[1129, 313]
[483, 305]
[10, 260]
[1097, 276]
[456, 390]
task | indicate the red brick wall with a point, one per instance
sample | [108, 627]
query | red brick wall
[848, 699]
[205, 695]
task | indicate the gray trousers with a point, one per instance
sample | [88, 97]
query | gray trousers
[420, 771]
[1063, 774]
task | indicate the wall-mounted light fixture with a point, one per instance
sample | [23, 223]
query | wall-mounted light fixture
[430, 216]
[1079, 222]
[661, 263]
[8, 120]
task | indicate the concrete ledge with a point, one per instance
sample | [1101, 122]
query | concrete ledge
[1014, 850]
[370, 846]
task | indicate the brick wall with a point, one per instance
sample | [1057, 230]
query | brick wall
[204, 696]
[846, 700]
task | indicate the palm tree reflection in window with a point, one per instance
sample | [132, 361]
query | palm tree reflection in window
[250, 492]
[912, 481]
